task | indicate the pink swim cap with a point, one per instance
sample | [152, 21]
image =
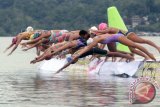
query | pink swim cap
[102, 26]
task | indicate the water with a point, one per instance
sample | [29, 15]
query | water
[22, 86]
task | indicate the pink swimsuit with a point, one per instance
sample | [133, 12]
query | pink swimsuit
[14, 40]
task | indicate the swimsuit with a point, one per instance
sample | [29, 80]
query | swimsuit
[56, 34]
[63, 37]
[31, 37]
[28, 35]
[81, 43]
[112, 38]
[94, 51]
[90, 52]
[36, 35]
[124, 32]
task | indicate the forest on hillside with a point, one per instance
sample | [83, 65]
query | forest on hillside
[16, 15]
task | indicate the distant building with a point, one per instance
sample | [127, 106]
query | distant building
[136, 20]
[145, 20]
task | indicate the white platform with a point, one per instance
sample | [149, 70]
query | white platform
[51, 66]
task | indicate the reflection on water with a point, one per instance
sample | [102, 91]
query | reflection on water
[69, 91]
[80, 91]
[22, 86]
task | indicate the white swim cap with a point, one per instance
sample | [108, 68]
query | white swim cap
[93, 28]
[89, 41]
[29, 29]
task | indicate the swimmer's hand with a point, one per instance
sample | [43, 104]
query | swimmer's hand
[70, 60]
[5, 51]
[9, 54]
[33, 61]
[58, 71]
[25, 50]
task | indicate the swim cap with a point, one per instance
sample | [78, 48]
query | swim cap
[14, 40]
[29, 29]
[102, 26]
[70, 59]
[92, 28]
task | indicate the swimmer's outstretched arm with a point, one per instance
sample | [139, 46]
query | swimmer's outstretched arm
[65, 66]
[73, 37]
[87, 48]
[74, 59]
[66, 46]
[80, 52]
[39, 59]
[47, 53]
[34, 45]
[11, 45]
[32, 41]
[16, 45]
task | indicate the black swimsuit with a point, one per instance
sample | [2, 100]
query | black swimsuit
[94, 51]
[124, 33]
